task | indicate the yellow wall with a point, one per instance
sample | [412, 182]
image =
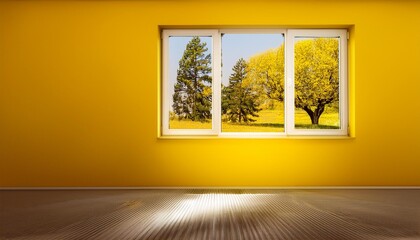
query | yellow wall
[79, 97]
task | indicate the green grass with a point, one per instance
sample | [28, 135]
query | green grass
[329, 120]
[268, 121]
[188, 124]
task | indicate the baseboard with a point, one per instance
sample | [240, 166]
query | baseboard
[212, 187]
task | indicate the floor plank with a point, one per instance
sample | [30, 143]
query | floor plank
[237, 214]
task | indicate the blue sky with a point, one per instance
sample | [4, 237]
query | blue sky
[234, 46]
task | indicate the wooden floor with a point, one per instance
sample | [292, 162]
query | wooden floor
[211, 214]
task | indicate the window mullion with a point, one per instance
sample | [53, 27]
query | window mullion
[217, 92]
[290, 85]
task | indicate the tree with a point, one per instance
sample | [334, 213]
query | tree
[316, 75]
[267, 69]
[192, 92]
[239, 100]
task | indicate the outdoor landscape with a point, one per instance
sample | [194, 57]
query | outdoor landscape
[253, 88]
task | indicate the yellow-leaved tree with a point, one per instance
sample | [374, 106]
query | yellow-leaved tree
[267, 70]
[316, 74]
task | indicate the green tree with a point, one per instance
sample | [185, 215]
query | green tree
[316, 75]
[192, 92]
[239, 100]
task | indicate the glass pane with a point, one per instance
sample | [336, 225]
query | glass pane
[190, 81]
[316, 83]
[253, 83]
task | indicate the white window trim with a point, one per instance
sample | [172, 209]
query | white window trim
[289, 109]
[253, 31]
[216, 80]
[343, 86]
[255, 134]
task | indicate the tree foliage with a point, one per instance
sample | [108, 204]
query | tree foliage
[239, 100]
[267, 70]
[192, 91]
[316, 75]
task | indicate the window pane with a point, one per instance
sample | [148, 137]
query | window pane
[253, 83]
[190, 82]
[316, 80]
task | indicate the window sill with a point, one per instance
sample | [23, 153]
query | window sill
[256, 136]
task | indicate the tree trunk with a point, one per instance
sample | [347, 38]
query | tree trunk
[315, 115]
[315, 119]
[194, 100]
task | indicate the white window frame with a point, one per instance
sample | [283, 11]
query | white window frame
[216, 80]
[256, 134]
[289, 108]
[343, 87]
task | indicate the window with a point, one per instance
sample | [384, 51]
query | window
[265, 82]
[191, 97]
[317, 81]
